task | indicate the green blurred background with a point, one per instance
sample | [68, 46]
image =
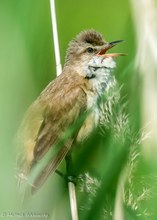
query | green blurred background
[27, 65]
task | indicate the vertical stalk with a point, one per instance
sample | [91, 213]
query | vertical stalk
[71, 185]
[55, 38]
[73, 203]
[71, 179]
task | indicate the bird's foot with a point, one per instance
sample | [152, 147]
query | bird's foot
[67, 178]
[72, 179]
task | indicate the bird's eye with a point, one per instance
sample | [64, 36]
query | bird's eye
[90, 50]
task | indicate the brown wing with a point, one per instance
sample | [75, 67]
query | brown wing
[71, 104]
[58, 106]
[58, 119]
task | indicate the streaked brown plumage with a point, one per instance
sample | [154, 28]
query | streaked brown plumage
[61, 103]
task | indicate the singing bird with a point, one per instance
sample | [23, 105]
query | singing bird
[87, 74]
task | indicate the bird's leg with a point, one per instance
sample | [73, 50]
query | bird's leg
[70, 177]
[60, 174]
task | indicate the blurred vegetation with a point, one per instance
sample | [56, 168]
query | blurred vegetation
[27, 65]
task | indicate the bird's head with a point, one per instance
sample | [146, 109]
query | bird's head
[85, 46]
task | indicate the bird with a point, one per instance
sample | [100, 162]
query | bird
[86, 76]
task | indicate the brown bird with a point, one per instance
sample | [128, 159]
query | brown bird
[85, 77]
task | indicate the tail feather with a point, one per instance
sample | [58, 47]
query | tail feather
[50, 168]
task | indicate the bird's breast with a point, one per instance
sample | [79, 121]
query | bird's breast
[92, 119]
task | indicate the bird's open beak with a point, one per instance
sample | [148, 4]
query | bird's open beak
[103, 53]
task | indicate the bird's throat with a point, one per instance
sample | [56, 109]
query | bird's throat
[99, 73]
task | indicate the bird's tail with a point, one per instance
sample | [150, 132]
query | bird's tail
[22, 182]
[50, 167]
